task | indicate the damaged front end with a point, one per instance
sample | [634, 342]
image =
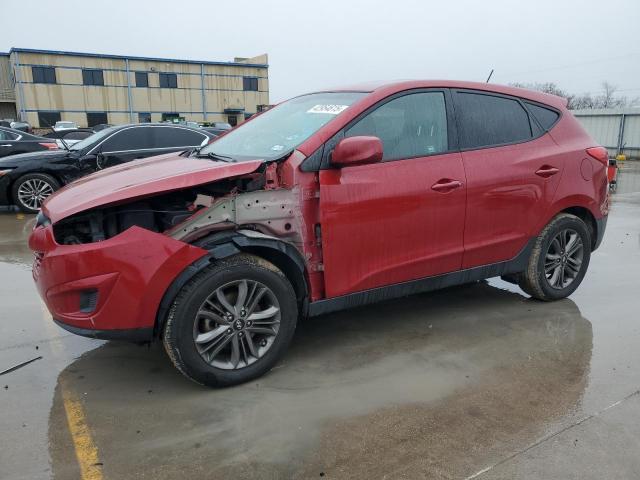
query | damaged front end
[191, 213]
[136, 249]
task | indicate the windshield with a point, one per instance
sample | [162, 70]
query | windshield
[282, 128]
[91, 139]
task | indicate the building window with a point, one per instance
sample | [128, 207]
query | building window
[142, 79]
[144, 117]
[96, 118]
[48, 119]
[92, 77]
[233, 120]
[168, 80]
[250, 84]
[170, 117]
[44, 74]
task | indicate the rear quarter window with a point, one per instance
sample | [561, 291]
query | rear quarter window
[488, 120]
[546, 117]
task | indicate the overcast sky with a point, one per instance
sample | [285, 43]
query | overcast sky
[318, 44]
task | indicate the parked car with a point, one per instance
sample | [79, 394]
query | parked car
[70, 137]
[13, 142]
[218, 128]
[327, 201]
[16, 125]
[101, 126]
[26, 180]
[65, 125]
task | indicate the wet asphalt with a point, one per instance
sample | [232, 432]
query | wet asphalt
[476, 381]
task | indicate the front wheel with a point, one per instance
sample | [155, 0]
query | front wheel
[31, 190]
[559, 259]
[232, 322]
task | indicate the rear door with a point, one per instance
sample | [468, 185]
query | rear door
[401, 219]
[513, 169]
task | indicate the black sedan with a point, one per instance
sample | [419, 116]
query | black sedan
[27, 179]
[13, 142]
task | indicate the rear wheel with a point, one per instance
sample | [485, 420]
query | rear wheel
[559, 259]
[232, 322]
[30, 191]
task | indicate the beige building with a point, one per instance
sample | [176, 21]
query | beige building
[42, 87]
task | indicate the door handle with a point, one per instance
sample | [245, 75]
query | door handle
[445, 185]
[6, 145]
[546, 171]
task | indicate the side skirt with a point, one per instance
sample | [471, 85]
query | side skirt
[515, 265]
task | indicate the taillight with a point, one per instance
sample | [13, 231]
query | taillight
[600, 154]
[50, 146]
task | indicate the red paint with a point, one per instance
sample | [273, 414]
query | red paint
[131, 272]
[383, 223]
[138, 179]
[357, 151]
[361, 226]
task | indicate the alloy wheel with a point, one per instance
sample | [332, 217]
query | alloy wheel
[237, 324]
[563, 260]
[33, 192]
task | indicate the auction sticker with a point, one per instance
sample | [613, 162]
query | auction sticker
[331, 109]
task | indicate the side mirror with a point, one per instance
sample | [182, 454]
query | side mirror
[357, 151]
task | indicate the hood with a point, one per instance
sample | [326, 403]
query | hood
[44, 155]
[140, 178]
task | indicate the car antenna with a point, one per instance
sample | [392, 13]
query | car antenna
[489, 77]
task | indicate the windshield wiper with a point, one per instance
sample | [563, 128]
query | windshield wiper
[216, 156]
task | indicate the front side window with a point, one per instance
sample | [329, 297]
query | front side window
[410, 126]
[91, 141]
[284, 127]
[487, 120]
[43, 74]
[168, 80]
[135, 138]
[92, 77]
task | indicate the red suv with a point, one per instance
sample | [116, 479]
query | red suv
[328, 201]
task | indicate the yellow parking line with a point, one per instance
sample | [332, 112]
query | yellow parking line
[83, 444]
[86, 450]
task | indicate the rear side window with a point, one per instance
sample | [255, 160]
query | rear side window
[7, 135]
[129, 139]
[487, 120]
[545, 116]
[168, 137]
[410, 126]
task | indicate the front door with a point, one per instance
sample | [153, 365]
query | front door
[401, 219]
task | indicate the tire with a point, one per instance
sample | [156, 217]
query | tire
[197, 313]
[40, 184]
[552, 284]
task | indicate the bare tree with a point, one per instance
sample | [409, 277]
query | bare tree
[608, 98]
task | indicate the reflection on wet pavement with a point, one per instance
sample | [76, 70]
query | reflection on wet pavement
[413, 379]
[440, 385]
